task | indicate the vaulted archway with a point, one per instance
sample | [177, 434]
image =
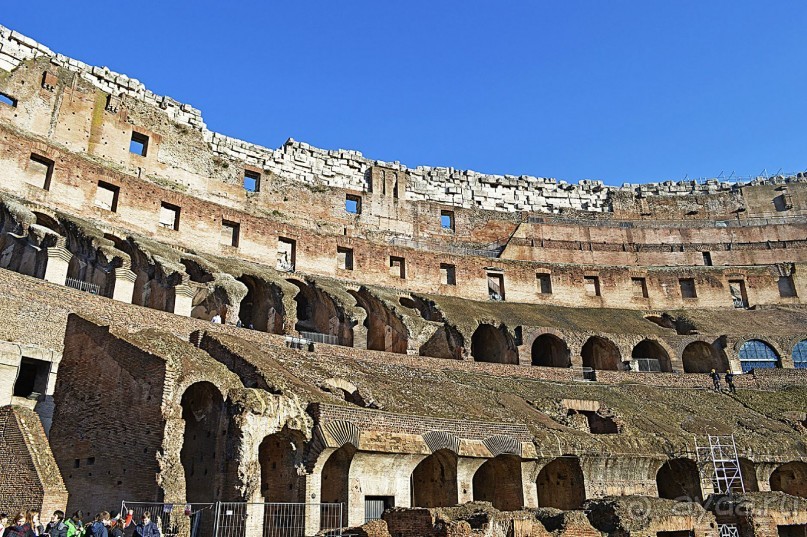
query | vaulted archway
[549, 350]
[601, 354]
[561, 484]
[434, 480]
[498, 481]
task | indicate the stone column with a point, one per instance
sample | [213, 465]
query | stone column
[124, 285]
[312, 499]
[529, 488]
[58, 262]
[183, 300]
[466, 468]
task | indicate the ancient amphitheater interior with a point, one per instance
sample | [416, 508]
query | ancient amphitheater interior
[401, 351]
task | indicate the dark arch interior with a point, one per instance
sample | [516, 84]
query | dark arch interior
[791, 478]
[490, 344]
[653, 350]
[561, 484]
[749, 475]
[335, 475]
[280, 455]
[550, 351]
[434, 480]
[600, 353]
[701, 357]
[498, 481]
[203, 443]
[261, 308]
[679, 479]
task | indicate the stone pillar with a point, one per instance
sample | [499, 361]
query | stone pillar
[10, 356]
[124, 285]
[183, 300]
[255, 518]
[58, 262]
[379, 474]
[312, 487]
[529, 487]
[466, 468]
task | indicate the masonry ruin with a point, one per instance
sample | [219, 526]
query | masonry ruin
[402, 351]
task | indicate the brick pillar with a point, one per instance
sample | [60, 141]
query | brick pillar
[58, 261]
[466, 468]
[124, 285]
[183, 300]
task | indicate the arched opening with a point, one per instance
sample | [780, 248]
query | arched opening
[800, 355]
[561, 484]
[385, 330]
[280, 455]
[490, 344]
[700, 357]
[261, 308]
[749, 476]
[498, 481]
[679, 479]
[791, 478]
[601, 354]
[434, 480]
[550, 351]
[756, 354]
[318, 313]
[651, 356]
[49, 222]
[335, 474]
[203, 443]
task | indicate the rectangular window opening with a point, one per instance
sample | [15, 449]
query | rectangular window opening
[447, 220]
[592, 284]
[139, 144]
[40, 171]
[32, 378]
[344, 258]
[352, 204]
[739, 296]
[707, 259]
[496, 286]
[544, 284]
[687, 288]
[8, 100]
[286, 254]
[252, 181]
[397, 267]
[169, 216]
[787, 287]
[374, 506]
[230, 233]
[106, 196]
[448, 274]
[639, 287]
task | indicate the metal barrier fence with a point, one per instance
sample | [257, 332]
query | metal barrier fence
[240, 519]
[88, 287]
[317, 337]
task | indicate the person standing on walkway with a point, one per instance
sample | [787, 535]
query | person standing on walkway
[715, 380]
[730, 381]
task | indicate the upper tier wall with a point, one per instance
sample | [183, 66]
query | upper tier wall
[350, 170]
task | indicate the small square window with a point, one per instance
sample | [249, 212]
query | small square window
[687, 288]
[592, 284]
[106, 196]
[286, 254]
[447, 220]
[8, 100]
[544, 284]
[230, 232]
[252, 181]
[397, 267]
[448, 274]
[352, 204]
[40, 171]
[169, 216]
[139, 144]
[639, 287]
[344, 258]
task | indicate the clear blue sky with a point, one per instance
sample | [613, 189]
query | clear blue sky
[611, 90]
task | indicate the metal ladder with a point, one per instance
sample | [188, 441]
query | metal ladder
[721, 454]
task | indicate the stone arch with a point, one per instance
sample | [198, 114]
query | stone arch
[281, 457]
[756, 353]
[262, 306]
[749, 475]
[678, 479]
[434, 480]
[498, 481]
[561, 484]
[799, 354]
[50, 222]
[601, 353]
[491, 344]
[549, 350]
[318, 312]
[701, 357]
[203, 442]
[790, 478]
[385, 330]
[650, 348]
[335, 483]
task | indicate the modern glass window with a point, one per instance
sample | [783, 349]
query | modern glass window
[800, 355]
[756, 354]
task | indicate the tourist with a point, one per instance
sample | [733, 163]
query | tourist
[730, 381]
[17, 527]
[56, 527]
[32, 521]
[74, 525]
[99, 527]
[3, 523]
[146, 528]
[216, 319]
[715, 380]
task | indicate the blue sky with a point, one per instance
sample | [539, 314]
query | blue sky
[612, 90]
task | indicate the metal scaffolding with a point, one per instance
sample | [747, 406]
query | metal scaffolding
[720, 455]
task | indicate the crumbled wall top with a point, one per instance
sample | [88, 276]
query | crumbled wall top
[349, 169]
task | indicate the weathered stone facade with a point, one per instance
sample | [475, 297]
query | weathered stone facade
[410, 338]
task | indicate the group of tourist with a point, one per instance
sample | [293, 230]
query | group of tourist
[28, 524]
[729, 381]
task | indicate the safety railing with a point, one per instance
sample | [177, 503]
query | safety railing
[175, 519]
[87, 287]
[317, 337]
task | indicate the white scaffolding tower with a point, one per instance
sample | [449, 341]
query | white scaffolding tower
[720, 455]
